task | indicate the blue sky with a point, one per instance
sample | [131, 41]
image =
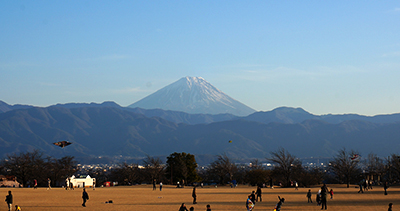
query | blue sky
[324, 56]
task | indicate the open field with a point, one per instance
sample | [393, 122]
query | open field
[142, 197]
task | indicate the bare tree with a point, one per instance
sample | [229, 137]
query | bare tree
[153, 167]
[223, 168]
[346, 169]
[287, 165]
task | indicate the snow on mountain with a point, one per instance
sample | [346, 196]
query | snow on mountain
[193, 95]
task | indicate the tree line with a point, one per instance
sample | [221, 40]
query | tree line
[344, 168]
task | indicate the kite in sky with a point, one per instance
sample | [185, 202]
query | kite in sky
[354, 157]
[62, 144]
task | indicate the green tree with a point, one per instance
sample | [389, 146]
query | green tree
[182, 166]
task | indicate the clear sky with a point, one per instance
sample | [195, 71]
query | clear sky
[323, 56]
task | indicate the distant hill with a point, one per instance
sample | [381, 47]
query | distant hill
[113, 131]
[193, 95]
[4, 107]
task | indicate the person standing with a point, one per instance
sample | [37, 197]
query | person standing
[194, 195]
[9, 200]
[318, 198]
[258, 193]
[309, 196]
[253, 197]
[208, 207]
[35, 184]
[154, 184]
[390, 206]
[385, 187]
[160, 186]
[331, 193]
[85, 197]
[324, 191]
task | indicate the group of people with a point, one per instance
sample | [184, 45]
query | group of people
[9, 200]
[154, 185]
[183, 208]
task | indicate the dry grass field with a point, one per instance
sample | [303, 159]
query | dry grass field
[142, 197]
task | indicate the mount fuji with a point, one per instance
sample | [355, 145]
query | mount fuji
[193, 95]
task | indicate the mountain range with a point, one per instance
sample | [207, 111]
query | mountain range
[190, 115]
[108, 129]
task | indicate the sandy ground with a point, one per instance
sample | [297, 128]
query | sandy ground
[142, 197]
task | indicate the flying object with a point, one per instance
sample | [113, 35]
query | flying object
[62, 144]
[354, 157]
[230, 141]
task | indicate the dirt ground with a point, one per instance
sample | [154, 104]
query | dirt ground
[142, 197]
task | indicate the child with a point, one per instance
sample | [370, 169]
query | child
[319, 198]
[279, 204]
[309, 196]
[17, 208]
[331, 192]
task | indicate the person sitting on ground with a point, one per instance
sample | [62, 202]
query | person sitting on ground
[17, 208]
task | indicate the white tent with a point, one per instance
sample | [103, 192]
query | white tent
[81, 181]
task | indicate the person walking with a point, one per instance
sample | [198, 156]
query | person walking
[85, 197]
[35, 184]
[9, 200]
[48, 183]
[194, 195]
[309, 196]
[249, 203]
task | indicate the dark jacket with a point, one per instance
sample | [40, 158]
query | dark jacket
[85, 195]
[9, 199]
